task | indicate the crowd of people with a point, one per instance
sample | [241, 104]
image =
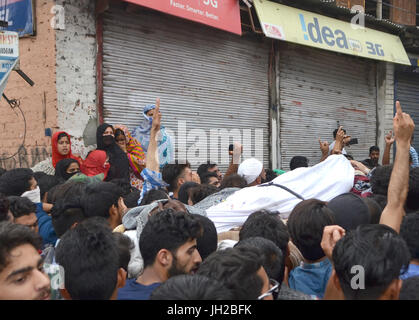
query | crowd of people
[129, 222]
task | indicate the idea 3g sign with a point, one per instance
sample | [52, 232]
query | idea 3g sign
[313, 31]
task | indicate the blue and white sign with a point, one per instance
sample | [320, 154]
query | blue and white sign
[9, 55]
[19, 15]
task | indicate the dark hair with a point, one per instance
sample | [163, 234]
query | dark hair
[270, 175]
[380, 179]
[67, 191]
[380, 251]
[4, 208]
[167, 229]
[99, 197]
[374, 148]
[119, 132]
[349, 210]
[380, 199]
[131, 199]
[13, 235]
[233, 181]
[336, 131]
[273, 260]
[205, 178]
[171, 172]
[124, 185]
[237, 269]
[412, 202]
[125, 245]
[191, 287]
[153, 195]
[184, 189]
[298, 162]
[16, 181]
[264, 224]
[62, 135]
[201, 191]
[409, 231]
[62, 166]
[46, 182]
[89, 255]
[207, 242]
[374, 209]
[20, 206]
[65, 214]
[203, 168]
[410, 289]
[305, 225]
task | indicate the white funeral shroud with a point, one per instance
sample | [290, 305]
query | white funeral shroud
[324, 181]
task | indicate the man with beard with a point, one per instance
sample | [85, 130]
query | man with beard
[372, 162]
[169, 248]
[21, 267]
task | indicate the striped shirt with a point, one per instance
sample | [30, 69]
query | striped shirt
[152, 180]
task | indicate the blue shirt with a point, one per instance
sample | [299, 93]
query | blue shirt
[311, 278]
[136, 291]
[152, 180]
[415, 158]
[46, 230]
[412, 271]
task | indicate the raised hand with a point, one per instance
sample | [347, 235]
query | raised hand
[389, 138]
[331, 235]
[156, 117]
[324, 146]
[403, 125]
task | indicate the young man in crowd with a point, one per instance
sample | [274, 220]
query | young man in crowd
[409, 231]
[374, 155]
[168, 246]
[22, 183]
[207, 168]
[24, 212]
[305, 225]
[104, 199]
[378, 252]
[241, 271]
[252, 171]
[21, 267]
[89, 256]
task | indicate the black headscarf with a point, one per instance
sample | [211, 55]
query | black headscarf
[62, 166]
[117, 158]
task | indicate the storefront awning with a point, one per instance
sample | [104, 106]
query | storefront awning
[311, 29]
[221, 14]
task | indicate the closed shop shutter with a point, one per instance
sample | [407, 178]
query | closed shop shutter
[209, 78]
[317, 89]
[407, 91]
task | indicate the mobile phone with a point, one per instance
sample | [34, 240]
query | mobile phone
[353, 141]
[230, 147]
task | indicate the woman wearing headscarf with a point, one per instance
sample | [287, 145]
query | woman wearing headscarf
[97, 162]
[67, 168]
[134, 152]
[119, 166]
[61, 147]
[142, 134]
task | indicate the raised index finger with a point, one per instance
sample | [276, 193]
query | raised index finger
[399, 110]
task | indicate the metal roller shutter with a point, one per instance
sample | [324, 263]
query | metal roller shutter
[210, 78]
[317, 89]
[407, 92]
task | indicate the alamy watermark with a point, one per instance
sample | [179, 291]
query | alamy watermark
[198, 146]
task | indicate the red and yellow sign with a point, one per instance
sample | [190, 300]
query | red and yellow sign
[221, 14]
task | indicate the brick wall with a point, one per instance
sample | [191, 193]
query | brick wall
[38, 103]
